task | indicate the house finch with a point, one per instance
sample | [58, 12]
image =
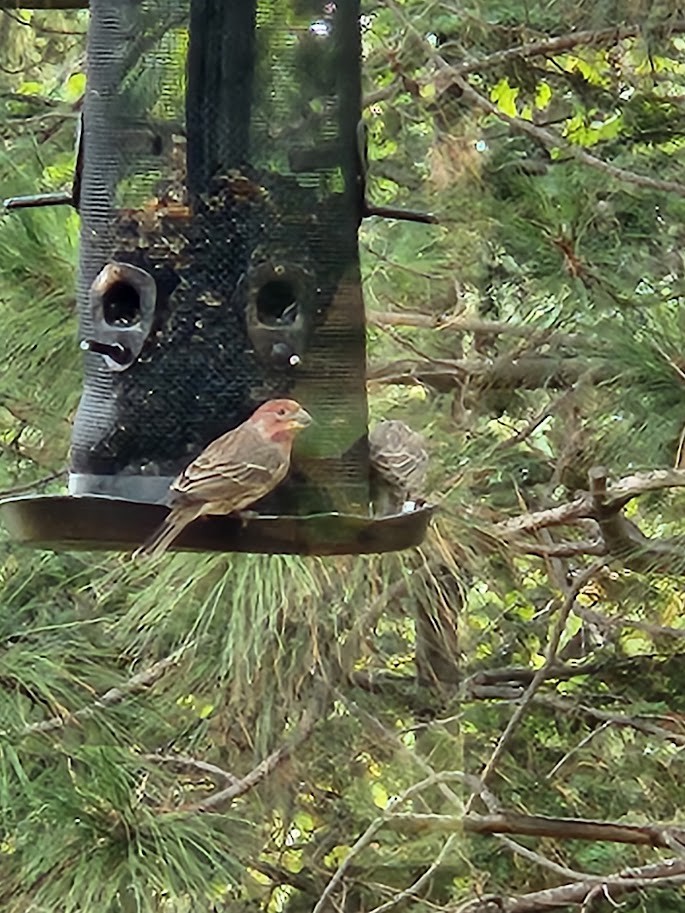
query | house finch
[398, 466]
[232, 472]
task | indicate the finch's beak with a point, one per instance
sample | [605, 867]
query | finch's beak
[301, 419]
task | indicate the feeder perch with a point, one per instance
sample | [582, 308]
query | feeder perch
[220, 192]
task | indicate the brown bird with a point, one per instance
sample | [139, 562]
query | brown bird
[232, 472]
[399, 461]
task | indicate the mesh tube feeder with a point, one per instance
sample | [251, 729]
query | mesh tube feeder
[219, 192]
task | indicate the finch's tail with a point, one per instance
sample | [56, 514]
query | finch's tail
[165, 534]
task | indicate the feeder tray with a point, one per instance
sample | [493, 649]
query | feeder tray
[101, 523]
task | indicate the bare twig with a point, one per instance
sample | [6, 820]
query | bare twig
[367, 836]
[266, 767]
[417, 886]
[194, 765]
[539, 677]
[669, 871]
[576, 748]
[536, 421]
[31, 486]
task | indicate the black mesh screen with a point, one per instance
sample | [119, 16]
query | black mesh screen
[219, 157]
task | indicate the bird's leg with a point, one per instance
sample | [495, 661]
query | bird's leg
[245, 516]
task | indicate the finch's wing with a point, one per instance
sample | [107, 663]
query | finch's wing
[399, 456]
[241, 467]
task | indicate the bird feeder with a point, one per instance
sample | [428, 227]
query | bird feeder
[220, 195]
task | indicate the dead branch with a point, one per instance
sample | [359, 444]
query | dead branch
[619, 538]
[617, 496]
[523, 675]
[629, 487]
[457, 322]
[529, 372]
[624, 540]
[638, 723]
[567, 549]
[538, 826]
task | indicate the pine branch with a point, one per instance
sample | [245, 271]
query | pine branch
[144, 679]
[550, 46]
[552, 140]
[547, 138]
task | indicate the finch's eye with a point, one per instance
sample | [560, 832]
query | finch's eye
[282, 411]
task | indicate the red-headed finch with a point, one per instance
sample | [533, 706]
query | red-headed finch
[399, 460]
[232, 472]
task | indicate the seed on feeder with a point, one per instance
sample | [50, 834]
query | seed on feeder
[294, 360]
[210, 300]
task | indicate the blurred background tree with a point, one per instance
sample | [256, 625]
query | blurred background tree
[491, 722]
